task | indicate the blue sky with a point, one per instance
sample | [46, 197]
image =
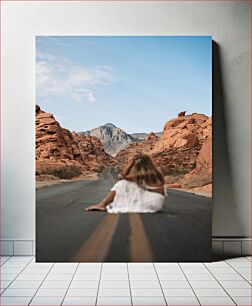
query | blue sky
[135, 82]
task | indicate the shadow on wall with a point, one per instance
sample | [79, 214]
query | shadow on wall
[226, 220]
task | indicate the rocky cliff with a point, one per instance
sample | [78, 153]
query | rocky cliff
[183, 151]
[58, 147]
[113, 138]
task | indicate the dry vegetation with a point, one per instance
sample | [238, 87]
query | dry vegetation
[66, 172]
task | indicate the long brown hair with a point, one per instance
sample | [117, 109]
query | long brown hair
[143, 170]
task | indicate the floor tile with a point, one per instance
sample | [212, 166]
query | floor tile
[220, 264]
[14, 264]
[146, 292]
[107, 269]
[172, 276]
[144, 284]
[51, 292]
[14, 300]
[22, 258]
[5, 283]
[29, 276]
[82, 292]
[165, 264]
[79, 301]
[114, 284]
[3, 259]
[62, 265]
[235, 284]
[221, 300]
[181, 300]
[9, 270]
[178, 292]
[239, 291]
[191, 264]
[169, 270]
[88, 270]
[98, 264]
[40, 265]
[140, 264]
[148, 270]
[58, 277]
[55, 284]
[114, 292]
[8, 276]
[103, 300]
[118, 276]
[236, 259]
[195, 270]
[86, 284]
[59, 270]
[209, 292]
[25, 284]
[47, 300]
[200, 276]
[241, 264]
[228, 276]
[19, 292]
[247, 277]
[242, 270]
[205, 284]
[243, 300]
[220, 270]
[174, 284]
[150, 300]
[30, 270]
[91, 277]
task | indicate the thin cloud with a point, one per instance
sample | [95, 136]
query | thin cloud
[57, 77]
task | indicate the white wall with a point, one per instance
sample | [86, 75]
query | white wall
[227, 22]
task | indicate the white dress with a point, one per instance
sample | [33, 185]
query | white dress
[130, 198]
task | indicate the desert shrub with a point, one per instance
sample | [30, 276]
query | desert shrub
[171, 179]
[175, 171]
[64, 172]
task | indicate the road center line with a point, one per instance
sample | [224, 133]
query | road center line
[97, 246]
[140, 249]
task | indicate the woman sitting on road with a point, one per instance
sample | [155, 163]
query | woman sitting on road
[139, 190]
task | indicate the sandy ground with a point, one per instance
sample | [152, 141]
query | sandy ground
[205, 191]
[45, 183]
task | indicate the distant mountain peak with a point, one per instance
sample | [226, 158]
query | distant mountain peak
[110, 125]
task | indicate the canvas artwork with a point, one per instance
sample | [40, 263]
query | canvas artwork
[123, 148]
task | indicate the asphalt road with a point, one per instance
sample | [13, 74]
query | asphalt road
[65, 232]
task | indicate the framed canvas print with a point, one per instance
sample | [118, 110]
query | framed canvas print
[123, 148]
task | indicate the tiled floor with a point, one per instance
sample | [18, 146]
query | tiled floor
[24, 282]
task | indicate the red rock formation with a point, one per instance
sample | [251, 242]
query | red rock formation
[183, 148]
[123, 157]
[92, 151]
[57, 147]
[182, 114]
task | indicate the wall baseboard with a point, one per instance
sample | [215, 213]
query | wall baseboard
[231, 247]
[222, 247]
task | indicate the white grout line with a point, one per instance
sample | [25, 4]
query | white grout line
[220, 284]
[96, 300]
[70, 283]
[16, 275]
[42, 282]
[189, 283]
[160, 284]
